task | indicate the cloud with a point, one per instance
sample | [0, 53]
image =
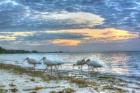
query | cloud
[3, 2]
[10, 36]
[65, 42]
[17, 15]
[106, 34]
[69, 37]
[78, 18]
[5, 38]
[38, 36]
[61, 14]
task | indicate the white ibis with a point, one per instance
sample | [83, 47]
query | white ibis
[94, 64]
[51, 64]
[80, 63]
[32, 62]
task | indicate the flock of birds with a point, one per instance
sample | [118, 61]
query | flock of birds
[55, 64]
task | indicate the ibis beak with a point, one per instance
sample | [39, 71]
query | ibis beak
[41, 59]
[24, 60]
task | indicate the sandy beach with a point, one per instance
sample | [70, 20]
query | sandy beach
[13, 83]
[24, 80]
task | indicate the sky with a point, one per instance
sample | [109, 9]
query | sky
[70, 25]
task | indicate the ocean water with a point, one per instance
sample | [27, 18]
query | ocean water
[121, 63]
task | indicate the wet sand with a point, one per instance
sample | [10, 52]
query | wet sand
[99, 83]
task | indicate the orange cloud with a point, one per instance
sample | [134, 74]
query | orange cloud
[66, 42]
[90, 35]
[108, 34]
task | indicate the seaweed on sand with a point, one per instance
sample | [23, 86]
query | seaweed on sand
[65, 90]
[14, 90]
[33, 92]
[97, 84]
[28, 71]
[52, 92]
[12, 85]
[68, 90]
[114, 89]
[3, 90]
[80, 82]
[35, 88]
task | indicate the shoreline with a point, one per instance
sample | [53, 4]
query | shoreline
[99, 83]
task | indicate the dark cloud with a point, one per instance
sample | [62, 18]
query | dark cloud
[21, 15]
[51, 36]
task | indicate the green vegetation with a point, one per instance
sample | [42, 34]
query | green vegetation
[33, 92]
[12, 85]
[28, 71]
[14, 90]
[3, 51]
[66, 90]
[35, 88]
[3, 91]
[32, 79]
[80, 82]
[52, 92]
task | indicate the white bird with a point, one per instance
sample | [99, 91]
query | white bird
[80, 63]
[94, 64]
[32, 61]
[51, 64]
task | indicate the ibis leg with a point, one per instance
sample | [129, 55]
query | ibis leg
[45, 69]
